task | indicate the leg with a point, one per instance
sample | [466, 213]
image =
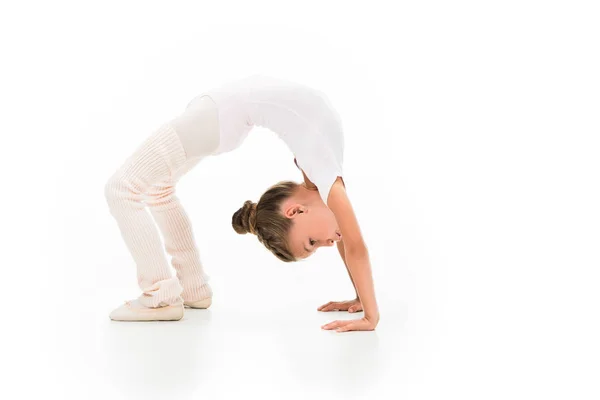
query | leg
[178, 236]
[156, 159]
[198, 130]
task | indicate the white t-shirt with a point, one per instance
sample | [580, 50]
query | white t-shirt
[301, 116]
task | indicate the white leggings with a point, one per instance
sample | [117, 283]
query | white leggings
[141, 196]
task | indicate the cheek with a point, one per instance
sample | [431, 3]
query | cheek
[308, 228]
[332, 221]
[326, 225]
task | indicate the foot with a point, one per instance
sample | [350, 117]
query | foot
[133, 311]
[205, 303]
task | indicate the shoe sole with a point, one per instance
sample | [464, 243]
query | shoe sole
[150, 315]
[201, 304]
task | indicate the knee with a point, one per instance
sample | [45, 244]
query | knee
[118, 188]
[161, 196]
[112, 189]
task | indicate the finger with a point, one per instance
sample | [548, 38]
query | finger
[331, 325]
[324, 305]
[346, 328]
[332, 307]
[335, 324]
[356, 325]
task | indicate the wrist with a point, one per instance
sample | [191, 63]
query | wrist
[373, 317]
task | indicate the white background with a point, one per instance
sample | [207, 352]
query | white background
[471, 160]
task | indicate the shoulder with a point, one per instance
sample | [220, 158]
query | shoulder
[338, 198]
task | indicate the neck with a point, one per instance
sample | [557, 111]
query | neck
[308, 187]
[307, 193]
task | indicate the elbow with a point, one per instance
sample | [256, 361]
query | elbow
[358, 250]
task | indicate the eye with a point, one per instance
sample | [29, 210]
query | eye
[312, 242]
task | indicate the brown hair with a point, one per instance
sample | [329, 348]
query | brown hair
[266, 221]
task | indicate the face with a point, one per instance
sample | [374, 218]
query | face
[313, 227]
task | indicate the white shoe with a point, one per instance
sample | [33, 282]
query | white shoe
[205, 303]
[133, 311]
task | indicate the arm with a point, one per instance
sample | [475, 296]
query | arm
[342, 251]
[355, 250]
[340, 244]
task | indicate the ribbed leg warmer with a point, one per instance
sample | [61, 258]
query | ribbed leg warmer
[147, 180]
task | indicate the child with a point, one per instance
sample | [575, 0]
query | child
[291, 220]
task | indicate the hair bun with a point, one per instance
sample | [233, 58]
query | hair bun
[244, 219]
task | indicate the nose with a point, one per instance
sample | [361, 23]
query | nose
[338, 237]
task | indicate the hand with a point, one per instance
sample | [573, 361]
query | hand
[363, 324]
[349, 305]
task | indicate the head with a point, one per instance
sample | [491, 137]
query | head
[290, 219]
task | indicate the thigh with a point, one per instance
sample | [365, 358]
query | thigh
[157, 159]
[198, 127]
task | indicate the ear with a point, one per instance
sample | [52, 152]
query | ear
[294, 210]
